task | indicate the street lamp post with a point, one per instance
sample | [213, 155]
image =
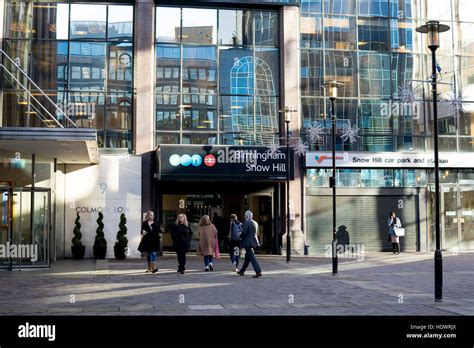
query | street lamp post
[433, 28]
[332, 87]
[288, 111]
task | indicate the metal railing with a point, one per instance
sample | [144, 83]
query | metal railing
[40, 109]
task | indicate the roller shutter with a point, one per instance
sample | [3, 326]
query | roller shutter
[360, 220]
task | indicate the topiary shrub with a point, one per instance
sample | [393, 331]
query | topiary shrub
[122, 241]
[76, 241]
[100, 240]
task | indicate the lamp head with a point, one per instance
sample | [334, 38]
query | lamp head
[288, 110]
[332, 88]
[433, 28]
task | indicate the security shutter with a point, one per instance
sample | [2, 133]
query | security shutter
[360, 220]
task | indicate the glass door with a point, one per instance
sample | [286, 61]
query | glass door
[467, 217]
[449, 218]
[6, 207]
[30, 228]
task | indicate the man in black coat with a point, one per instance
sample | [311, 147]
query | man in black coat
[248, 242]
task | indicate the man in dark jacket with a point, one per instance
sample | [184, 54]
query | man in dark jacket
[248, 242]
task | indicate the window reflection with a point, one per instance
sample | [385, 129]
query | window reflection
[88, 21]
[340, 33]
[312, 76]
[374, 74]
[199, 26]
[373, 34]
[168, 22]
[87, 66]
[120, 22]
[246, 73]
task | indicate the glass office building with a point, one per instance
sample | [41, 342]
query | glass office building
[104, 94]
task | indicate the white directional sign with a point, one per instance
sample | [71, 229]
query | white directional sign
[388, 160]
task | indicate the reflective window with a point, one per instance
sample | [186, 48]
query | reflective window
[465, 10]
[340, 33]
[311, 30]
[87, 66]
[312, 77]
[78, 54]
[341, 66]
[199, 26]
[373, 8]
[374, 74]
[231, 88]
[373, 34]
[314, 6]
[120, 22]
[235, 27]
[438, 9]
[339, 7]
[465, 38]
[88, 21]
[168, 24]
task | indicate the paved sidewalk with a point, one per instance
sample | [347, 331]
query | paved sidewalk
[381, 284]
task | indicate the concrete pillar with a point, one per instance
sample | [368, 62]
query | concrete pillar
[144, 77]
[290, 96]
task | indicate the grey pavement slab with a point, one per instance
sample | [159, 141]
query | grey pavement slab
[305, 286]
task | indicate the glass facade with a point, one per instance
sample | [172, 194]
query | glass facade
[217, 76]
[81, 55]
[372, 48]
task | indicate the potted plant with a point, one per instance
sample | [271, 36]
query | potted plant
[120, 247]
[77, 248]
[100, 244]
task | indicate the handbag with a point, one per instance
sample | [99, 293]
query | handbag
[216, 250]
[400, 231]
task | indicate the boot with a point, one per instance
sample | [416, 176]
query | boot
[150, 267]
[394, 248]
[153, 269]
[398, 249]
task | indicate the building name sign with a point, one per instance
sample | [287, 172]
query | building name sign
[388, 160]
[222, 162]
[258, 2]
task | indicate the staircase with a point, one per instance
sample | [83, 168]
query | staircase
[38, 104]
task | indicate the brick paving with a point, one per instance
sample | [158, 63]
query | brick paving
[381, 284]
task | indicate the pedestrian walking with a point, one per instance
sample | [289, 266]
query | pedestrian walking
[181, 234]
[249, 242]
[207, 241]
[394, 224]
[150, 243]
[234, 241]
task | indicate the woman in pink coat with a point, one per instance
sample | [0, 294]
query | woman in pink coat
[207, 240]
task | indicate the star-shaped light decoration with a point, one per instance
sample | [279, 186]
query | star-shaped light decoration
[350, 133]
[273, 148]
[407, 93]
[456, 101]
[316, 133]
[300, 148]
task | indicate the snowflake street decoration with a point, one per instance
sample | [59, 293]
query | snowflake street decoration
[456, 101]
[273, 148]
[350, 133]
[407, 93]
[316, 133]
[300, 148]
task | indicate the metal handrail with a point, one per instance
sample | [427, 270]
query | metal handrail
[31, 95]
[2, 52]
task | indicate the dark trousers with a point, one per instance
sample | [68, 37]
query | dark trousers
[234, 252]
[250, 258]
[207, 260]
[181, 260]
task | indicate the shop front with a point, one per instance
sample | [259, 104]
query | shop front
[219, 181]
[371, 185]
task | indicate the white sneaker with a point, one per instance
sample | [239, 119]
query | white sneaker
[234, 267]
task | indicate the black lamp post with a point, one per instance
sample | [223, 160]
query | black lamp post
[332, 87]
[287, 111]
[433, 28]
